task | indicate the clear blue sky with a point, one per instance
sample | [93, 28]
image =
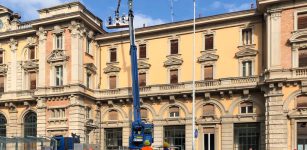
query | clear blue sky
[150, 12]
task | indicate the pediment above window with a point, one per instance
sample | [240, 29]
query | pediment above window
[173, 61]
[143, 65]
[30, 65]
[3, 69]
[208, 57]
[91, 68]
[110, 69]
[298, 36]
[246, 52]
[56, 56]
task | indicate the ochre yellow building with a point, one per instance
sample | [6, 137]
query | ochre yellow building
[63, 74]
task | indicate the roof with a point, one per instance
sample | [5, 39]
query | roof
[5, 9]
[186, 23]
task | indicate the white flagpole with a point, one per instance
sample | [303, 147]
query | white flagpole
[193, 85]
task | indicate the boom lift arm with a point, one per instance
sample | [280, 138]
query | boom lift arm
[140, 131]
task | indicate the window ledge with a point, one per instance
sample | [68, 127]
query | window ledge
[57, 119]
[145, 59]
[209, 50]
[173, 55]
[88, 54]
[247, 46]
[246, 115]
[206, 116]
[113, 63]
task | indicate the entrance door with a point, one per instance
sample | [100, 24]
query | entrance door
[302, 136]
[209, 141]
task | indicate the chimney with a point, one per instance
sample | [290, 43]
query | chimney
[144, 25]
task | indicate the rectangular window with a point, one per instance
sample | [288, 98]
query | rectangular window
[112, 82]
[246, 108]
[142, 51]
[1, 84]
[88, 45]
[32, 77]
[247, 136]
[113, 138]
[142, 79]
[209, 141]
[113, 55]
[58, 75]
[302, 60]
[208, 72]
[301, 135]
[302, 20]
[247, 36]
[88, 80]
[174, 112]
[174, 47]
[175, 136]
[209, 42]
[247, 68]
[1, 57]
[174, 76]
[59, 41]
[32, 52]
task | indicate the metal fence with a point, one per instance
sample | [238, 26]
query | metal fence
[27, 143]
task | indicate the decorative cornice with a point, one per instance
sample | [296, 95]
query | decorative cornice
[30, 65]
[110, 69]
[57, 30]
[76, 29]
[31, 41]
[173, 61]
[42, 34]
[246, 52]
[208, 57]
[57, 55]
[90, 68]
[13, 44]
[143, 65]
[298, 36]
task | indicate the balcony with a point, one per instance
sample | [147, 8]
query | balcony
[186, 87]
[286, 74]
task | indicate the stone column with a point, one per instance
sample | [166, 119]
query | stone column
[227, 136]
[274, 31]
[276, 121]
[77, 117]
[41, 117]
[11, 74]
[188, 135]
[158, 134]
[77, 34]
[42, 37]
[13, 125]
[126, 134]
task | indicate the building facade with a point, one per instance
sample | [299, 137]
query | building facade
[63, 74]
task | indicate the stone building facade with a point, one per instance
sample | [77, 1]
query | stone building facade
[63, 73]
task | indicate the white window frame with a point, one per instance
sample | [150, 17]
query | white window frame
[142, 42]
[109, 55]
[117, 79]
[208, 32]
[241, 65]
[174, 116]
[253, 34]
[203, 65]
[146, 75]
[88, 45]
[89, 81]
[296, 12]
[28, 82]
[174, 37]
[246, 108]
[169, 73]
[55, 40]
[53, 73]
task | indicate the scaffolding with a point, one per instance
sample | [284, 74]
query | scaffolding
[27, 143]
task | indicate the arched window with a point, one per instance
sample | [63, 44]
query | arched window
[2, 125]
[174, 112]
[208, 110]
[30, 124]
[113, 115]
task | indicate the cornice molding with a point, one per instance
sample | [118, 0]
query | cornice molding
[207, 57]
[111, 69]
[57, 55]
[246, 52]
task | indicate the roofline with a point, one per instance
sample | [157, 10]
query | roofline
[9, 10]
[68, 4]
[184, 23]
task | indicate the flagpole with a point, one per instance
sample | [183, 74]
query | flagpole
[193, 84]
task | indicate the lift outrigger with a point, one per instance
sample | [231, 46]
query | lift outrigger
[140, 131]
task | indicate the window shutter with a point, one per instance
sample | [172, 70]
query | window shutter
[174, 76]
[301, 101]
[112, 82]
[143, 113]
[174, 46]
[113, 115]
[142, 79]
[209, 130]
[1, 84]
[113, 56]
[302, 21]
[142, 51]
[302, 57]
[32, 76]
[174, 109]
[208, 110]
[209, 41]
[208, 72]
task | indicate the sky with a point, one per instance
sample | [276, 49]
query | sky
[148, 12]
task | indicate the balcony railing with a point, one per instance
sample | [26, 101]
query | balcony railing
[294, 73]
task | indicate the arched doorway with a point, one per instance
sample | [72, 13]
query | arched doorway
[2, 130]
[30, 129]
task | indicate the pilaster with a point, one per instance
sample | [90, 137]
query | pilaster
[158, 134]
[276, 121]
[77, 33]
[41, 117]
[188, 136]
[77, 117]
[126, 134]
[227, 136]
[12, 68]
[42, 37]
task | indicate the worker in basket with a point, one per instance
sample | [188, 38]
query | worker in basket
[147, 145]
[165, 146]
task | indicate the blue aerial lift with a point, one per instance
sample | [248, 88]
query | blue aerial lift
[140, 131]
